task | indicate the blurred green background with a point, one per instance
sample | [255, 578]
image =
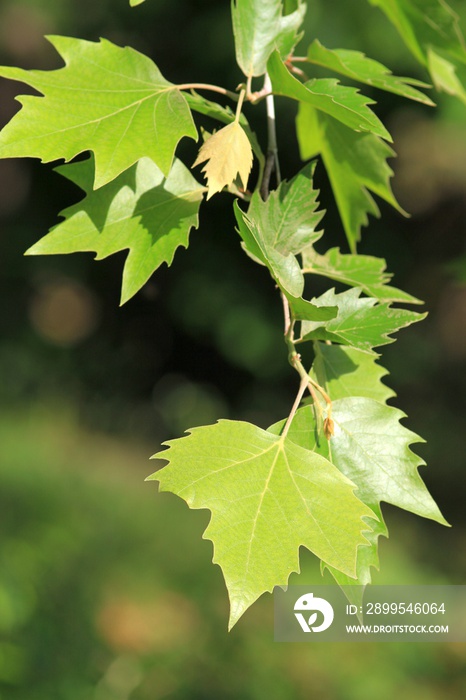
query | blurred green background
[107, 591]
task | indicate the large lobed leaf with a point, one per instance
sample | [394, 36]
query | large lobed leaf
[268, 496]
[110, 100]
[259, 28]
[141, 211]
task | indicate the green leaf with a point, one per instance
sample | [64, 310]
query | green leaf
[430, 29]
[110, 100]
[289, 217]
[344, 372]
[368, 558]
[284, 269]
[357, 66]
[361, 322]
[141, 211]
[345, 104]
[275, 231]
[444, 75]
[363, 271]
[423, 24]
[303, 431]
[134, 3]
[259, 28]
[303, 310]
[355, 163]
[371, 447]
[268, 497]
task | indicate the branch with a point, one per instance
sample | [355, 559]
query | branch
[271, 160]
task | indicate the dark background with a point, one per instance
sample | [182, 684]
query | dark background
[106, 589]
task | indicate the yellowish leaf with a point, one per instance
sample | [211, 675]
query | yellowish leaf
[228, 153]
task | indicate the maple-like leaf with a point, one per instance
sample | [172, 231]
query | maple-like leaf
[141, 211]
[357, 66]
[355, 163]
[361, 321]
[110, 100]
[364, 271]
[228, 154]
[259, 28]
[346, 104]
[268, 496]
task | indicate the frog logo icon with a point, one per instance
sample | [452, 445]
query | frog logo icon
[309, 604]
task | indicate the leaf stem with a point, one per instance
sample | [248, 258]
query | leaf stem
[302, 388]
[313, 387]
[239, 106]
[208, 86]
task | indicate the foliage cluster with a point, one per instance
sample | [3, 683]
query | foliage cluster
[317, 478]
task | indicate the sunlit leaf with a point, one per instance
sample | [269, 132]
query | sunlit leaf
[228, 154]
[268, 496]
[224, 114]
[110, 100]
